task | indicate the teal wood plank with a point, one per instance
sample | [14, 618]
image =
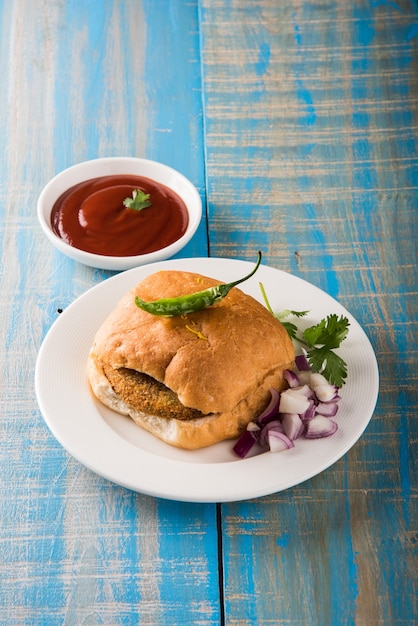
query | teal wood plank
[311, 142]
[82, 80]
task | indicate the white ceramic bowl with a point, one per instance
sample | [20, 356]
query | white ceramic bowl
[107, 167]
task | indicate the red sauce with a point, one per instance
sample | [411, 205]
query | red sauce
[91, 216]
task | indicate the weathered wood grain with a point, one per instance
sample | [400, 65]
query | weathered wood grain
[311, 141]
[304, 139]
[82, 80]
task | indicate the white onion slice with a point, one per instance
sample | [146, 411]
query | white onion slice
[304, 409]
[291, 378]
[271, 409]
[304, 390]
[273, 425]
[317, 379]
[326, 393]
[279, 441]
[320, 427]
[305, 378]
[293, 426]
[310, 411]
[327, 409]
[293, 402]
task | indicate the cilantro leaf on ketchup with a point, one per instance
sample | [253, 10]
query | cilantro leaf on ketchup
[140, 200]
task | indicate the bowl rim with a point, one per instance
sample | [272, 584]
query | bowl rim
[55, 186]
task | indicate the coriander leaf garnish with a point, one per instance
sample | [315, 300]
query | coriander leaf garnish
[330, 332]
[292, 329]
[283, 314]
[140, 200]
[329, 364]
[321, 340]
[287, 312]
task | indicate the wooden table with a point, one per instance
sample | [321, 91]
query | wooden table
[297, 122]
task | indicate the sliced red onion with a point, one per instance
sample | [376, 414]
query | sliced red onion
[291, 401]
[302, 363]
[304, 409]
[326, 393]
[245, 443]
[273, 425]
[279, 441]
[317, 379]
[310, 412]
[327, 409]
[291, 378]
[271, 409]
[305, 378]
[304, 390]
[320, 427]
[293, 426]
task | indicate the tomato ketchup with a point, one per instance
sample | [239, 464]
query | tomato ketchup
[91, 216]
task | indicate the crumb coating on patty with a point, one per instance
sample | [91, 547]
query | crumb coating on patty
[146, 394]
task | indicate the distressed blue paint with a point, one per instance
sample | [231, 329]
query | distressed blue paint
[412, 32]
[364, 200]
[236, 232]
[351, 590]
[305, 97]
[170, 138]
[283, 540]
[42, 545]
[305, 183]
[272, 539]
[302, 92]
[318, 236]
[82, 19]
[46, 548]
[407, 425]
[366, 207]
[404, 456]
[296, 35]
[245, 545]
[389, 3]
[60, 277]
[175, 137]
[364, 28]
[264, 55]
[178, 595]
[124, 515]
[357, 238]
[23, 470]
[303, 546]
[4, 119]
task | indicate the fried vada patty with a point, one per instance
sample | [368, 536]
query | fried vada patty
[202, 376]
[144, 393]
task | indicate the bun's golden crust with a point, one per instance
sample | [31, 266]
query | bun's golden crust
[240, 342]
[221, 360]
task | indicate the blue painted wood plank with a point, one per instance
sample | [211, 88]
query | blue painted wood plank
[310, 112]
[82, 80]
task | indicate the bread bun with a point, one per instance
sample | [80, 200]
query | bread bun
[220, 361]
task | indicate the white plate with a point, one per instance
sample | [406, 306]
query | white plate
[114, 447]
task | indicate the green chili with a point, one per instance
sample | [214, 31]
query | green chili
[190, 303]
